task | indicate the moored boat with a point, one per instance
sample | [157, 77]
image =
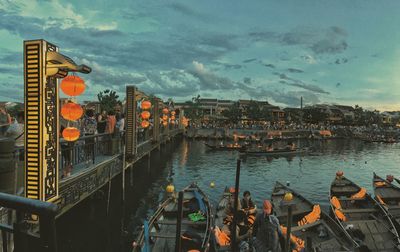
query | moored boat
[361, 216]
[388, 195]
[226, 147]
[159, 233]
[279, 152]
[310, 222]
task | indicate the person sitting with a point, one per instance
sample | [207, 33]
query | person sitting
[270, 148]
[249, 208]
[243, 231]
[267, 230]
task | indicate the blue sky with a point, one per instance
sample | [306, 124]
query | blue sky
[345, 52]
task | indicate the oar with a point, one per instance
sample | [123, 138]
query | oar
[397, 180]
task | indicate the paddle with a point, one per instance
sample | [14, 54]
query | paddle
[397, 180]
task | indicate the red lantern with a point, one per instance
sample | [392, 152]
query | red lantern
[165, 111]
[145, 124]
[165, 117]
[173, 113]
[145, 105]
[71, 111]
[145, 115]
[72, 85]
[70, 134]
[172, 117]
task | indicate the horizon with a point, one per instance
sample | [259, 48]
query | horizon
[328, 52]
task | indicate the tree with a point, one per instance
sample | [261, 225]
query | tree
[254, 111]
[234, 113]
[315, 115]
[108, 100]
[193, 111]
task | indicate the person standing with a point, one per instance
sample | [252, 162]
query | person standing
[5, 120]
[267, 230]
[16, 130]
[89, 129]
[102, 122]
[111, 122]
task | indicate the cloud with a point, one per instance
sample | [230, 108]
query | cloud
[247, 80]
[269, 65]
[338, 84]
[184, 9]
[209, 80]
[298, 83]
[294, 70]
[341, 61]
[249, 60]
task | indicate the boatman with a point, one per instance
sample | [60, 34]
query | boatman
[267, 230]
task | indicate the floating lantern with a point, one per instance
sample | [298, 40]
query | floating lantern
[145, 105]
[71, 111]
[71, 134]
[145, 115]
[72, 85]
[145, 124]
[165, 111]
[212, 184]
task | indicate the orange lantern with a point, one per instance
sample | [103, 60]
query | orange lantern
[70, 134]
[165, 111]
[172, 117]
[71, 111]
[165, 123]
[145, 124]
[172, 122]
[145, 105]
[72, 85]
[173, 113]
[145, 115]
[165, 117]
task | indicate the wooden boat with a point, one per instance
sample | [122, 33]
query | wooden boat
[158, 234]
[225, 147]
[324, 232]
[388, 195]
[362, 217]
[280, 152]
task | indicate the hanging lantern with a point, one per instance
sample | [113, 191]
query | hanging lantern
[165, 123]
[71, 111]
[145, 115]
[72, 85]
[145, 124]
[145, 105]
[172, 117]
[170, 188]
[70, 134]
[288, 196]
[165, 111]
[165, 117]
[173, 113]
[172, 122]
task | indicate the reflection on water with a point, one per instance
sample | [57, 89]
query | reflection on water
[311, 175]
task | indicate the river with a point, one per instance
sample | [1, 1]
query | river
[310, 175]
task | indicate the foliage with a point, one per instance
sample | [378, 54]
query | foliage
[192, 110]
[314, 115]
[234, 113]
[254, 111]
[108, 100]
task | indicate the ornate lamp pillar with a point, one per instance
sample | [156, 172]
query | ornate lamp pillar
[42, 66]
[130, 120]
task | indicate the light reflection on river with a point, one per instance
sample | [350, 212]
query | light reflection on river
[310, 175]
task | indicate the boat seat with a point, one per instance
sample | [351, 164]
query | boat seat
[358, 210]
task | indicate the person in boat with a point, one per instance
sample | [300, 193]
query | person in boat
[267, 230]
[270, 148]
[230, 208]
[249, 208]
[291, 146]
[243, 231]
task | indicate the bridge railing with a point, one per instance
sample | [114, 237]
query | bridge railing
[17, 233]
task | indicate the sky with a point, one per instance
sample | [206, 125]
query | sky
[335, 52]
